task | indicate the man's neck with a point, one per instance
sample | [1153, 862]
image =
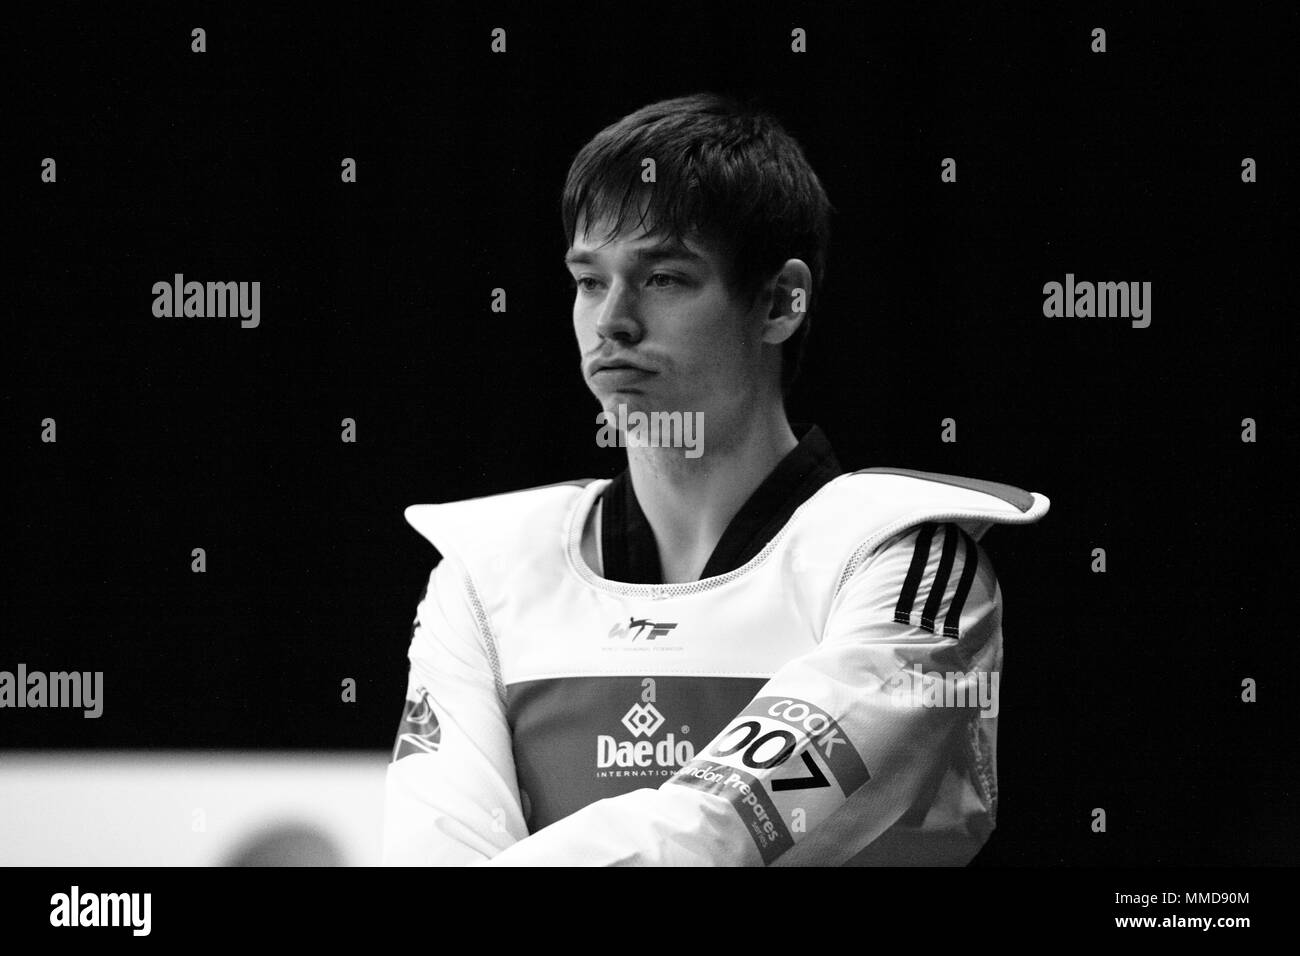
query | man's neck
[690, 501]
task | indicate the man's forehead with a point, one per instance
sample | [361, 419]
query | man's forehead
[638, 242]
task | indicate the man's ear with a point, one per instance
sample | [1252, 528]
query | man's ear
[791, 297]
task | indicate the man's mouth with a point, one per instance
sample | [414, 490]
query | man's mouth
[619, 365]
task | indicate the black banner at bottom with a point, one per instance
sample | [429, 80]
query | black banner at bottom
[337, 906]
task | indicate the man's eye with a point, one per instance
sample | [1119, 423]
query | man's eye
[581, 284]
[667, 280]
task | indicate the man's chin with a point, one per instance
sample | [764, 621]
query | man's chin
[629, 400]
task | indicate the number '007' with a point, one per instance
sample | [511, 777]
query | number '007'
[752, 741]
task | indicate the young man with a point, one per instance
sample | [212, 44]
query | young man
[739, 657]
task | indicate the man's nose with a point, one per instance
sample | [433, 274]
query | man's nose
[618, 315]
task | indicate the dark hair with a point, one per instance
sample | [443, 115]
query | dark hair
[724, 169]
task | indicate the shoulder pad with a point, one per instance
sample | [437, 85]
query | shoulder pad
[1023, 500]
[902, 497]
[478, 530]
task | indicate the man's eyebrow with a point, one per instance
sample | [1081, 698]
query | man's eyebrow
[655, 253]
[666, 250]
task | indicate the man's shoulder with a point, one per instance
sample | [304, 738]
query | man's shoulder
[514, 498]
[497, 522]
[858, 512]
[1016, 497]
[906, 494]
[498, 496]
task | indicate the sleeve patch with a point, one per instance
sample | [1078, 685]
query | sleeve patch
[747, 797]
[790, 748]
[419, 732]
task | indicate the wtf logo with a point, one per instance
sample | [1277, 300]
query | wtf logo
[640, 629]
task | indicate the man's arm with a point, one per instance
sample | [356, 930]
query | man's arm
[451, 794]
[829, 726]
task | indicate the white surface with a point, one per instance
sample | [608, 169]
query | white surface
[133, 808]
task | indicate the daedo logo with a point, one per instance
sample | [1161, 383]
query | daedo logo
[643, 720]
[642, 756]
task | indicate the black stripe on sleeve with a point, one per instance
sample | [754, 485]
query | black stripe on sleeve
[970, 563]
[920, 557]
[940, 583]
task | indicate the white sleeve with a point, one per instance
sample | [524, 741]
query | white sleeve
[451, 796]
[829, 746]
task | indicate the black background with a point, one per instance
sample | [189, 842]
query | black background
[1121, 690]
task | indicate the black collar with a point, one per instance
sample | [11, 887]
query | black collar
[630, 554]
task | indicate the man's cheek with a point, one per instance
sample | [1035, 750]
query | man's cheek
[584, 330]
